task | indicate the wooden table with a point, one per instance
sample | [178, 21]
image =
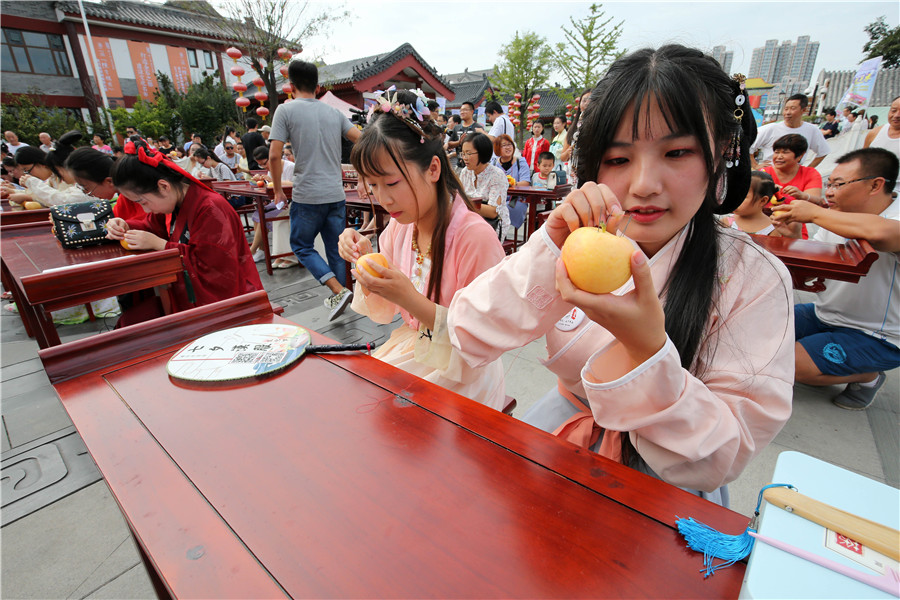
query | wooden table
[811, 262]
[536, 197]
[16, 217]
[43, 276]
[261, 197]
[346, 477]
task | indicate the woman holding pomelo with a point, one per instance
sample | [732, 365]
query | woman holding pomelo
[686, 370]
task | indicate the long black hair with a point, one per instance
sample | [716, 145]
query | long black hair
[388, 134]
[696, 97]
[135, 175]
[90, 164]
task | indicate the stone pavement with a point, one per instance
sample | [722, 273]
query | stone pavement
[63, 535]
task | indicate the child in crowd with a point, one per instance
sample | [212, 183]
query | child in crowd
[749, 216]
[281, 238]
[686, 371]
[545, 165]
[484, 180]
[217, 169]
[183, 213]
[535, 145]
[435, 244]
[559, 141]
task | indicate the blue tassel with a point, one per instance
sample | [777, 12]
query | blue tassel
[713, 544]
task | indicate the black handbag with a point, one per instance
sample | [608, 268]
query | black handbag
[81, 223]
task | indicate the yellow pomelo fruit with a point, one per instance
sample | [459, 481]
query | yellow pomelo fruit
[597, 261]
[124, 244]
[29, 205]
[365, 260]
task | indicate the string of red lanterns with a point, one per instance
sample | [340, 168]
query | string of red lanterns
[261, 96]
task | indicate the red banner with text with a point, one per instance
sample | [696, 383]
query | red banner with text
[178, 64]
[107, 68]
[144, 73]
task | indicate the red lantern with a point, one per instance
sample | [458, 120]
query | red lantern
[286, 88]
[242, 102]
[262, 111]
[237, 71]
[537, 107]
[536, 97]
[517, 122]
[284, 72]
[518, 113]
[234, 53]
[258, 82]
[261, 96]
[569, 106]
[239, 87]
[284, 53]
[518, 96]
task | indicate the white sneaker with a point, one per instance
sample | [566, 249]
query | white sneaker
[338, 303]
[259, 256]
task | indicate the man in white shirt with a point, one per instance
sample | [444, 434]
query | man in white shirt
[229, 156]
[793, 123]
[46, 141]
[500, 123]
[12, 142]
[852, 332]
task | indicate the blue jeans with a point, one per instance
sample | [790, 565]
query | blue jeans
[310, 220]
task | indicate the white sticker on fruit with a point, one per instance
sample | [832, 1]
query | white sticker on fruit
[571, 321]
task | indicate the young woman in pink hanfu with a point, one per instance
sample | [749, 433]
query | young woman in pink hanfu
[686, 371]
[435, 244]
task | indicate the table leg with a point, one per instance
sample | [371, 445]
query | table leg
[261, 212]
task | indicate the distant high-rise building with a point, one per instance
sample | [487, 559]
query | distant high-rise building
[724, 57]
[787, 66]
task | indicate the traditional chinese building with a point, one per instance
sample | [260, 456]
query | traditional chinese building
[45, 51]
[403, 67]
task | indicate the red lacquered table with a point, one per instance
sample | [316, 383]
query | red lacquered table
[536, 197]
[43, 276]
[346, 477]
[811, 262]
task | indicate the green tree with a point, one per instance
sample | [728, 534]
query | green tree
[883, 42]
[261, 27]
[207, 108]
[592, 44]
[525, 65]
[28, 116]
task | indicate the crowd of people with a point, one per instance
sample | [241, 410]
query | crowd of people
[686, 372]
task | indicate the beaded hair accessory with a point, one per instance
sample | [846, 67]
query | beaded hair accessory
[733, 151]
[411, 115]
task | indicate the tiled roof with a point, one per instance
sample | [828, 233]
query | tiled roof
[468, 76]
[363, 68]
[470, 91]
[202, 19]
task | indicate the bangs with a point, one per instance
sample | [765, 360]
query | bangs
[371, 152]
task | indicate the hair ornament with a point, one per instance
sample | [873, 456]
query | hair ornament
[411, 115]
[154, 158]
[733, 151]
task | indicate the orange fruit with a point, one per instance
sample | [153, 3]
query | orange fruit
[124, 244]
[365, 260]
[597, 261]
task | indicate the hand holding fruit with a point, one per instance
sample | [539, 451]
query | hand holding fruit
[116, 228]
[352, 244]
[379, 277]
[636, 319]
[588, 206]
[797, 211]
[138, 239]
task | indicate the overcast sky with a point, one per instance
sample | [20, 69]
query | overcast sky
[451, 36]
